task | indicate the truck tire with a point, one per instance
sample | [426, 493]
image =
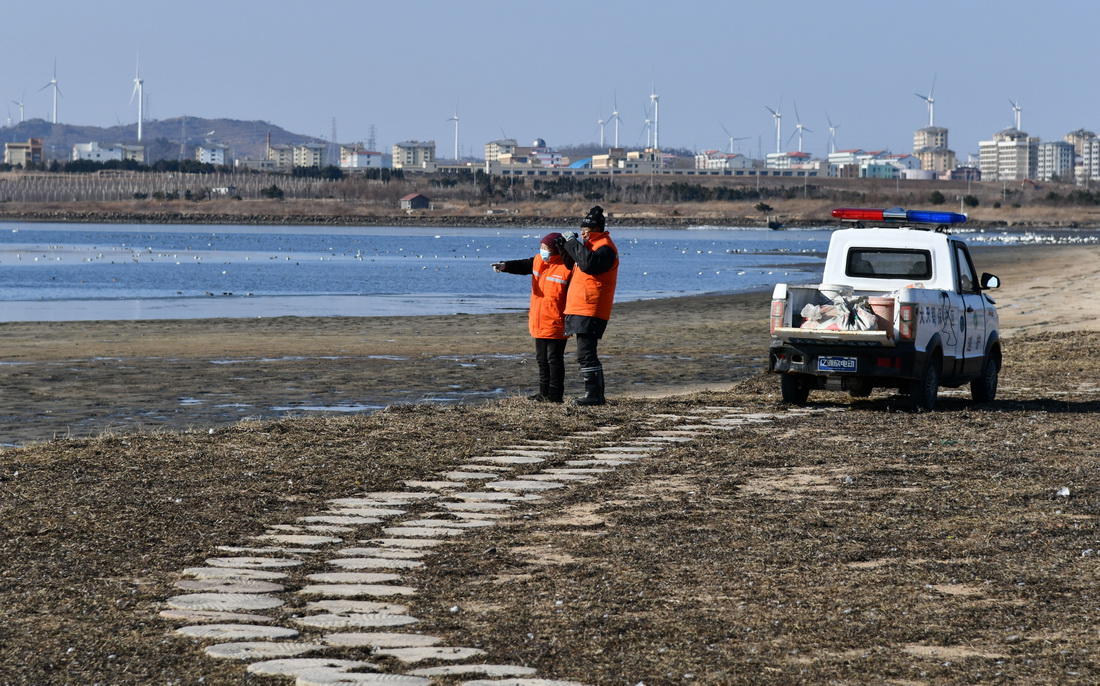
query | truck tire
[923, 391]
[984, 388]
[795, 388]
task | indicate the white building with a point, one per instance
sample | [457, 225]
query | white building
[787, 160]
[358, 157]
[1010, 156]
[1055, 161]
[1088, 164]
[494, 150]
[211, 153]
[96, 153]
[716, 159]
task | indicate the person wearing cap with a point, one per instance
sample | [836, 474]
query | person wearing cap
[591, 293]
[546, 317]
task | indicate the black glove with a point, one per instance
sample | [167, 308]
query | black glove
[559, 244]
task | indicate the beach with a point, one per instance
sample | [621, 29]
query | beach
[722, 537]
[86, 378]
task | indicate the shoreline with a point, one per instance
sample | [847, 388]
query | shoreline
[518, 221]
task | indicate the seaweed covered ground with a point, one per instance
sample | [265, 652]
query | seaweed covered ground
[852, 543]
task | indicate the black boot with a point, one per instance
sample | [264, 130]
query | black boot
[544, 393]
[593, 387]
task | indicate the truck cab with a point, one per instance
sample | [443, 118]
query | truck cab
[931, 322]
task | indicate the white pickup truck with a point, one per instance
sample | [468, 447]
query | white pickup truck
[899, 307]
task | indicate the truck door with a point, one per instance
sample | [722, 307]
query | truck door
[972, 314]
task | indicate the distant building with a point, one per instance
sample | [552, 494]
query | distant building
[643, 162]
[495, 149]
[211, 153]
[787, 160]
[716, 159]
[311, 155]
[1011, 156]
[1055, 162]
[22, 154]
[256, 164]
[94, 152]
[281, 156]
[612, 160]
[413, 154]
[358, 157]
[1088, 164]
[930, 147]
[415, 201]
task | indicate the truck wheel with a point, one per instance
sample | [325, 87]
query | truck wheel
[861, 389]
[923, 391]
[984, 388]
[795, 389]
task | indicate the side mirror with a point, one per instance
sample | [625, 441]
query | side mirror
[990, 281]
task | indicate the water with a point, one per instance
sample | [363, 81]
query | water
[61, 272]
[58, 272]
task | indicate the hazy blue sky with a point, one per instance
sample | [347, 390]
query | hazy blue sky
[551, 69]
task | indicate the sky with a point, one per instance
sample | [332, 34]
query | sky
[553, 69]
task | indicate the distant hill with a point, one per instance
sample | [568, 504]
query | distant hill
[162, 138]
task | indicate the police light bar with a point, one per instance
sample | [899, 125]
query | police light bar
[896, 214]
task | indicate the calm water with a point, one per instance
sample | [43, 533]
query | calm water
[58, 272]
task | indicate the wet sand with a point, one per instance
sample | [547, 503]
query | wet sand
[88, 378]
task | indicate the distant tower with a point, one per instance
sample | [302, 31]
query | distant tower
[372, 140]
[333, 152]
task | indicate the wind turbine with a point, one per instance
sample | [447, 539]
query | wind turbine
[778, 125]
[931, 103]
[647, 128]
[656, 100]
[832, 133]
[601, 124]
[1016, 109]
[732, 139]
[56, 90]
[798, 129]
[615, 118]
[455, 120]
[139, 91]
[20, 104]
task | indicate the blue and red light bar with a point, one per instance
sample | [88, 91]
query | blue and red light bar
[896, 214]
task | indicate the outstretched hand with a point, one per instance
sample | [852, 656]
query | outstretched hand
[497, 266]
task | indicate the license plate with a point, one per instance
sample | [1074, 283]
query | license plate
[836, 364]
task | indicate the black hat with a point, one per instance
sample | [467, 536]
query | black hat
[594, 219]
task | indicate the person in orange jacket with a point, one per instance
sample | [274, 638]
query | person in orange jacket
[591, 294]
[546, 318]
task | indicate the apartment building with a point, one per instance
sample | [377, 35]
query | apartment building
[1055, 161]
[415, 154]
[1010, 156]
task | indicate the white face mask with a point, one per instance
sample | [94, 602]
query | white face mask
[544, 253]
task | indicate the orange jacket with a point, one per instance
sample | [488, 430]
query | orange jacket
[549, 281]
[591, 295]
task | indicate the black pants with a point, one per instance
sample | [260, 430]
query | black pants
[550, 354]
[586, 352]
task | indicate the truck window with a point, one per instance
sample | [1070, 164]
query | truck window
[889, 263]
[967, 282]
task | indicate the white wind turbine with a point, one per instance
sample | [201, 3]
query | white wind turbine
[732, 139]
[778, 125]
[56, 90]
[455, 120]
[647, 127]
[931, 103]
[616, 119]
[798, 129]
[1016, 109]
[656, 100]
[832, 133]
[601, 124]
[139, 92]
[20, 104]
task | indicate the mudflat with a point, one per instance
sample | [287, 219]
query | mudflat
[86, 378]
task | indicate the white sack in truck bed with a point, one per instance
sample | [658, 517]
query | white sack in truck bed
[843, 314]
